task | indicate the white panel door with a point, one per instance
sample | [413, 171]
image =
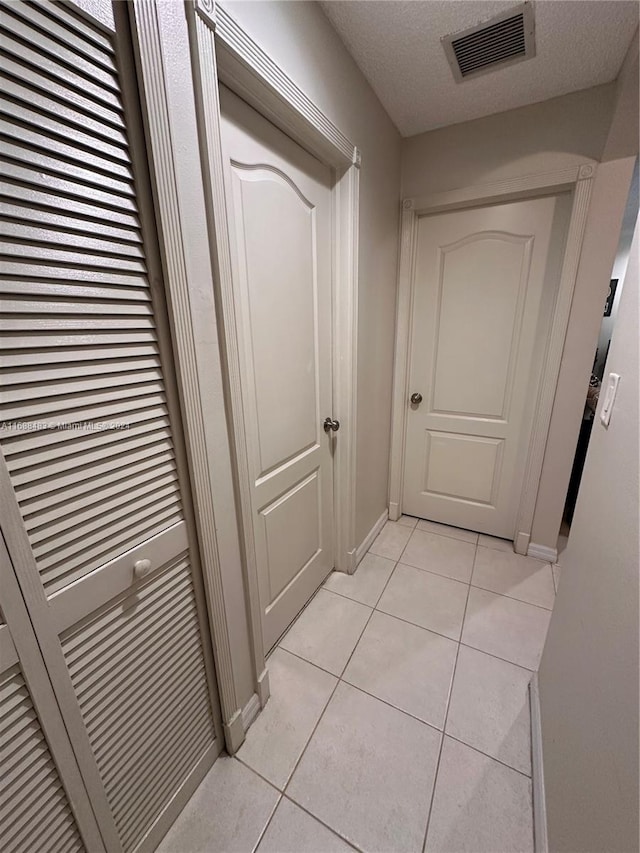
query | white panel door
[279, 199]
[92, 469]
[483, 283]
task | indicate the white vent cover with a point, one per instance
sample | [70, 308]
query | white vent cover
[503, 40]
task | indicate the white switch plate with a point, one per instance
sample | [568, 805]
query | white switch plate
[611, 388]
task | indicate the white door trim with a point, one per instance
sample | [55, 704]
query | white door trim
[162, 164]
[578, 179]
[222, 52]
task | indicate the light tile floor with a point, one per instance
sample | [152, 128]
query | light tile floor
[399, 715]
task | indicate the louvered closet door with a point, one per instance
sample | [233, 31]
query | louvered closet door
[37, 812]
[89, 429]
[34, 809]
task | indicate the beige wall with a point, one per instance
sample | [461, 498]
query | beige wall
[597, 259]
[589, 670]
[300, 39]
[539, 138]
[573, 129]
[602, 231]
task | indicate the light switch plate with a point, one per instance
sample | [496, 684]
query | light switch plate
[611, 388]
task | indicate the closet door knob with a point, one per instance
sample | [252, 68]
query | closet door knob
[330, 425]
[416, 399]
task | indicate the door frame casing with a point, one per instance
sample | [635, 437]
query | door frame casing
[577, 179]
[223, 52]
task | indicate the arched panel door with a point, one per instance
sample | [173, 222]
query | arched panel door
[484, 284]
[279, 200]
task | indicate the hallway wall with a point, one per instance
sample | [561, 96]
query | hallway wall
[299, 37]
[604, 221]
[589, 670]
[541, 137]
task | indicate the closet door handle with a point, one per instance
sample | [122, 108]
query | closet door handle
[416, 398]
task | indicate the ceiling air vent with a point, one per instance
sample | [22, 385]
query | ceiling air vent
[503, 40]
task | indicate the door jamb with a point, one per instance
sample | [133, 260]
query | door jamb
[222, 52]
[579, 179]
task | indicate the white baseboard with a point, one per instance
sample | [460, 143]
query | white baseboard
[541, 840]
[250, 711]
[542, 552]
[371, 535]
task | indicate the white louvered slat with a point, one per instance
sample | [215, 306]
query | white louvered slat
[36, 501]
[67, 118]
[122, 680]
[72, 22]
[21, 448]
[162, 487]
[73, 385]
[149, 692]
[53, 183]
[99, 175]
[33, 804]
[90, 500]
[35, 28]
[44, 203]
[107, 145]
[33, 59]
[30, 136]
[65, 238]
[170, 725]
[62, 275]
[61, 90]
[83, 368]
[72, 228]
[88, 447]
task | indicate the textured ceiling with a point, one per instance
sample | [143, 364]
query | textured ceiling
[579, 43]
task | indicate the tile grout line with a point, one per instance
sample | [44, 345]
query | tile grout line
[268, 823]
[320, 821]
[282, 796]
[513, 598]
[490, 757]
[338, 682]
[446, 716]
[438, 574]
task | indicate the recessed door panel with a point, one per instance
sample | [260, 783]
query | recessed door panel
[484, 284]
[479, 316]
[292, 532]
[462, 466]
[281, 279]
[279, 201]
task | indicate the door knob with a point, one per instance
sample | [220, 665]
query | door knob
[416, 399]
[331, 425]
